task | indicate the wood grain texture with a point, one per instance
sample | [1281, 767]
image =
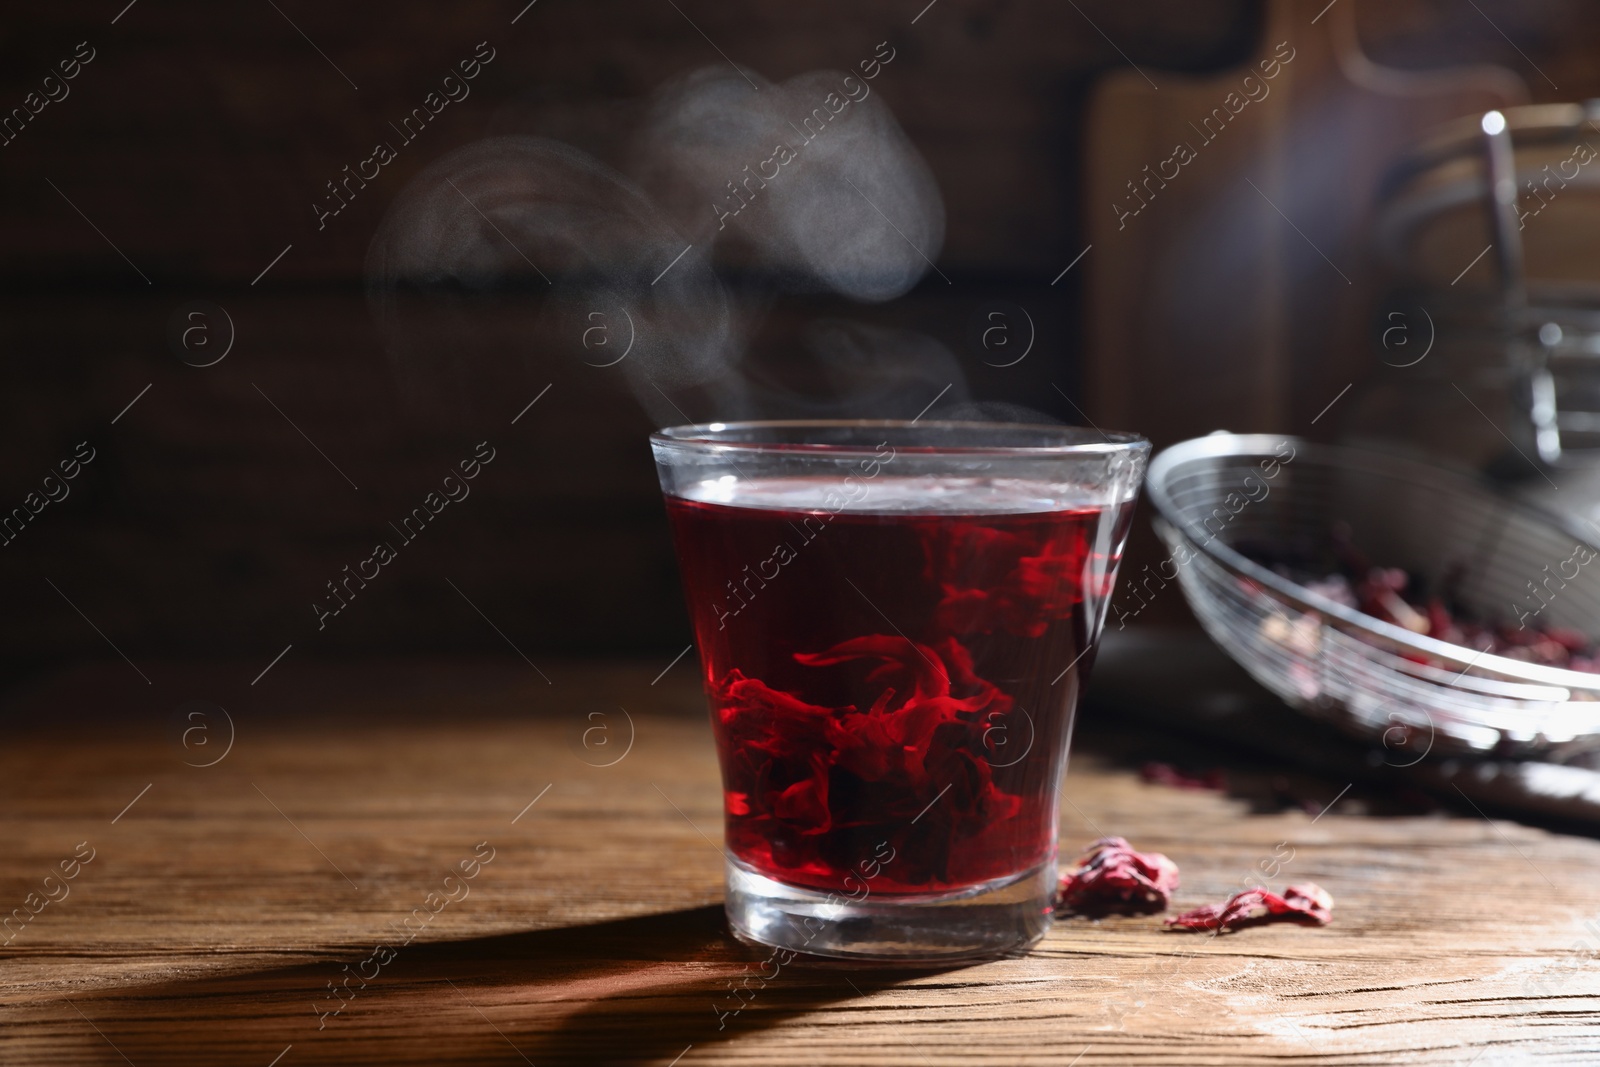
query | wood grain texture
[217, 908]
[199, 137]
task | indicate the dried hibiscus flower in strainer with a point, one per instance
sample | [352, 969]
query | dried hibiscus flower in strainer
[1111, 876]
[1306, 902]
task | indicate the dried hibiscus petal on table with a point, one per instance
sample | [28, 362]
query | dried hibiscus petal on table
[1306, 902]
[1111, 876]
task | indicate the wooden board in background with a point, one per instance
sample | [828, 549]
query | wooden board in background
[1238, 293]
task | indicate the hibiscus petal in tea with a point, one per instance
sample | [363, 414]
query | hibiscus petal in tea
[893, 651]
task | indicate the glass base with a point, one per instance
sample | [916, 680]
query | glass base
[999, 917]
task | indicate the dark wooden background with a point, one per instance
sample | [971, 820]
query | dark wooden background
[199, 136]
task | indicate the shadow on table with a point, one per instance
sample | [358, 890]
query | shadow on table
[640, 990]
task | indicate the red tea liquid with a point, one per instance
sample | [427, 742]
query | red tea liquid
[892, 679]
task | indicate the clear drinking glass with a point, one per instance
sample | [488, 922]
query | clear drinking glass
[894, 622]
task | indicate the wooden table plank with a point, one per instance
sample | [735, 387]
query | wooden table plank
[214, 913]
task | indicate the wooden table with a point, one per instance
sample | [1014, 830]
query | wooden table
[223, 902]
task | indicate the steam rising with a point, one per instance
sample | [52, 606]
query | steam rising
[510, 250]
[548, 221]
[815, 194]
[852, 370]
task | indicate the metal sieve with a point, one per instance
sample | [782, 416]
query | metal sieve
[1411, 693]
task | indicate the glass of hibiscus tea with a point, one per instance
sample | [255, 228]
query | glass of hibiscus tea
[895, 620]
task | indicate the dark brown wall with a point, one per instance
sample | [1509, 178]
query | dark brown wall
[199, 136]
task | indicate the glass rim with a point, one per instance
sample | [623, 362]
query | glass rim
[709, 437]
